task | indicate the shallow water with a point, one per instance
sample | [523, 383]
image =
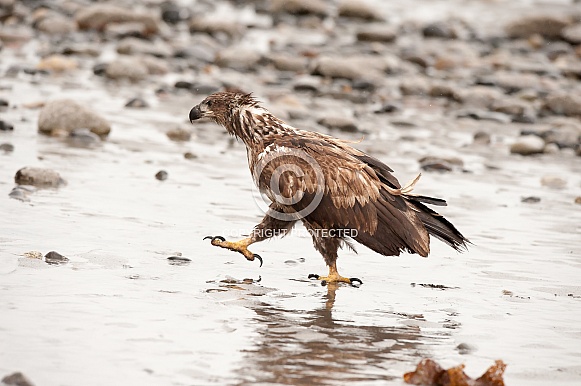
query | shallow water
[121, 312]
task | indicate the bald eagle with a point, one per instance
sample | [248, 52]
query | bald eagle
[339, 193]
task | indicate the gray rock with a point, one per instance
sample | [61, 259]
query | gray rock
[549, 26]
[6, 147]
[528, 145]
[439, 164]
[83, 138]
[98, 16]
[5, 126]
[530, 200]
[55, 258]
[66, 115]
[480, 96]
[414, 86]
[553, 182]
[563, 137]
[339, 123]
[564, 104]
[285, 62]
[377, 33]
[514, 107]
[482, 138]
[21, 192]
[161, 175]
[215, 28]
[39, 177]
[133, 69]
[572, 33]
[53, 23]
[238, 58]
[132, 46]
[318, 8]
[179, 134]
[551, 148]
[357, 9]
[444, 90]
[439, 29]
[355, 68]
[482, 115]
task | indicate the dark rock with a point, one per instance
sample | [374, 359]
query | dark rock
[339, 123]
[99, 16]
[172, 13]
[465, 348]
[55, 258]
[307, 83]
[137, 103]
[377, 33]
[572, 33]
[357, 9]
[578, 200]
[317, 8]
[178, 260]
[528, 145]
[439, 164]
[363, 85]
[6, 147]
[66, 115]
[189, 155]
[161, 175]
[17, 379]
[443, 90]
[100, 69]
[548, 26]
[481, 115]
[388, 108]
[39, 177]
[5, 126]
[530, 200]
[482, 138]
[439, 29]
[3, 103]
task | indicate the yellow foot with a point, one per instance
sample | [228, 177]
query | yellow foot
[237, 246]
[336, 278]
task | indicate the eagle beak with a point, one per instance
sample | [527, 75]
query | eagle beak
[195, 113]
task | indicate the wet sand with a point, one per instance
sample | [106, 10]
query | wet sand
[120, 312]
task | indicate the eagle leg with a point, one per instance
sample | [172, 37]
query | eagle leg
[334, 277]
[237, 246]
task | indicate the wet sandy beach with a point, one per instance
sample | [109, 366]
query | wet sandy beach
[120, 312]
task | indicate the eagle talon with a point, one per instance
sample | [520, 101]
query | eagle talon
[256, 256]
[214, 238]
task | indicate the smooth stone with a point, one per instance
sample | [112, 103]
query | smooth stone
[161, 175]
[572, 33]
[530, 200]
[6, 147]
[99, 16]
[137, 103]
[55, 258]
[528, 145]
[339, 123]
[553, 182]
[17, 379]
[67, 115]
[357, 9]
[83, 138]
[564, 104]
[179, 134]
[57, 63]
[38, 177]
[318, 8]
[549, 26]
[5, 126]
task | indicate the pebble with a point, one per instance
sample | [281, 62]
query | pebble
[481, 138]
[439, 164]
[132, 46]
[132, 69]
[530, 200]
[286, 62]
[377, 33]
[548, 26]
[318, 8]
[528, 145]
[57, 63]
[563, 137]
[179, 134]
[38, 177]
[214, 28]
[5, 126]
[172, 13]
[99, 16]
[161, 175]
[439, 29]
[551, 148]
[83, 138]
[357, 9]
[465, 348]
[553, 182]
[17, 379]
[55, 258]
[190, 156]
[572, 33]
[21, 192]
[53, 23]
[238, 58]
[66, 115]
[6, 147]
[178, 260]
[137, 103]
[339, 123]
[578, 200]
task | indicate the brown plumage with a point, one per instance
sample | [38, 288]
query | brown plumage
[356, 196]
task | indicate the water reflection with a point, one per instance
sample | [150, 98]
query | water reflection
[314, 348]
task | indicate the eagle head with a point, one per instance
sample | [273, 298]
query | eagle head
[220, 106]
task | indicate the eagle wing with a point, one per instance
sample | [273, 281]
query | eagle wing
[350, 190]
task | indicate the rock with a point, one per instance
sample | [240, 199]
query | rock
[481, 138]
[528, 145]
[520, 110]
[444, 90]
[307, 83]
[551, 148]
[4, 103]
[353, 68]
[439, 29]
[189, 155]
[57, 63]
[480, 96]
[179, 134]
[238, 58]
[439, 164]
[286, 62]
[553, 182]
[338, 123]
[357, 9]
[563, 137]
[22, 193]
[132, 46]
[132, 69]
[137, 103]
[414, 86]
[66, 115]
[39, 177]
[98, 16]
[318, 8]
[377, 33]
[155, 66]
[465, 348]
[572, 33]
[530, 200]
[548, 26]
[6, 148]
[55, 258]
[52, 23]
[564, 104]
[83, 138]
[172, 13]
[17, 379]
[481, 115]
[161, 175]
[512, 81]
[5, 126]
[215, 28]
[202, 52]
[578, 200]
[387, 108]
[178, 260]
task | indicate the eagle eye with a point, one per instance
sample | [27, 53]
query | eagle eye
[209, 103]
